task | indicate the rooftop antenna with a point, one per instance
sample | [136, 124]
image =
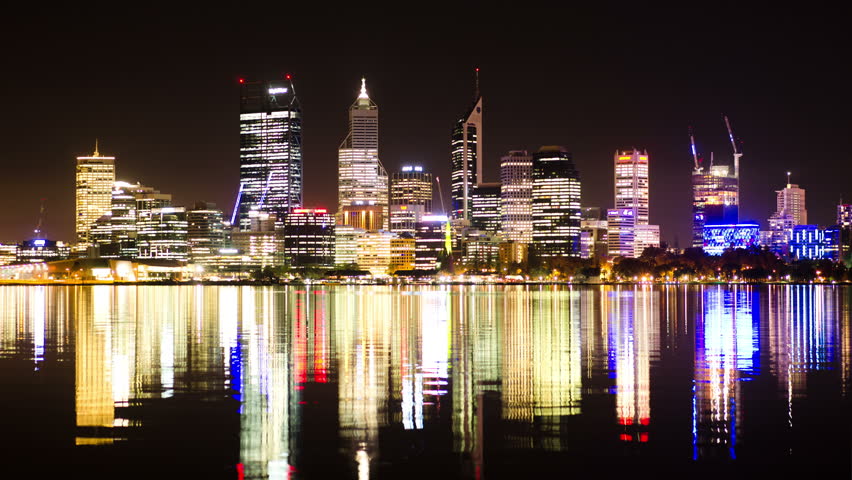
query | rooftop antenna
[476, 86]
[96, 154]
[737, 152]
[788, 179]
[694, 153]
[711, 159]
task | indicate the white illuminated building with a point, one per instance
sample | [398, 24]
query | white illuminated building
[361, 175]
[516, 186]
[629, 231]
[95, 176]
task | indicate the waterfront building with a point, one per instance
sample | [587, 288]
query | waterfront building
[374, 252]
[309, 238]
[8, 254]
[555, 203]
[466, 158]
[807, 242]
[430, 242]
[593, 233]
[631, 183]
[162, 233]
[410, 198]
[361, 175]
[621, 232]
[205, 232]
[402, 253]
[645, 236]
[790, 211]
[95, 176]
[718, 238]
[715, 199]
[481, 253]
[485, 207]
[270, 150]
[844, 223]
[516, 196]
[346, 245]
[38, 250]
[512, 254]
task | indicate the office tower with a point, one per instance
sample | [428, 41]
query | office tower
[516, 196]
[95, 176]
[555, 203]
[346, 245]
[309, 238]
[365, 217]
[790, 211]
[374, 251]
[270, 150]
[466, 157]
[205, 232]
[631, 183]
[485, 207]
[621, 232]
[115, 233]
[844, 224]
[362, 180]
[715, 199]
[808, 242]
[402, 253]
[593, 233]
[162, 233]
[262, 244]
[410, 198]
[430, 242]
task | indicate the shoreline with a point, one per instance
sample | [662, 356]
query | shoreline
[249, 283]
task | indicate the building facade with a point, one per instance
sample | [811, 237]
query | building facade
[516, 196]
[309, 238]
[715, 199]
[410, 198]
[466, 159]
[205, 232]
[270, 150]
[485, 208]
[162, 233]
[95, 176]
[555, 203]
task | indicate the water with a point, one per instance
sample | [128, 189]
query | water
[425, 382]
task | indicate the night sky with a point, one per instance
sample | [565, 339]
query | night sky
[159, 90]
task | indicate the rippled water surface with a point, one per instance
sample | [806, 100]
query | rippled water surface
[425, 382]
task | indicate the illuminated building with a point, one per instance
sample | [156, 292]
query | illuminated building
[262, 244]
[39, 250]
[718, 238]
[205, 232]
[715, 199]
[374, 252]
[645, 236]
[429, 242]
[115, 233]
[466, 157]
[631, 183]
[162, 233]
[270, 150]
[621, 231]
[402, 253]
[95, 176]
[516, 196]
[555, 203]
[362, 180]
[346, 245]
[790, 211]
[410, 198]
[481, 253]
[365, 217]
[485, 207]
[8, 254]
[512, 253]
[809, 242]
[844, 223]
[593, 233]
[309, 238]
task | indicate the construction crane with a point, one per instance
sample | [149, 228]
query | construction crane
[440, 193]
[737, 153]
[694, 152]
[40, 219]
[448, 234]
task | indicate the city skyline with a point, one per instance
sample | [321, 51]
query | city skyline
[784, 124]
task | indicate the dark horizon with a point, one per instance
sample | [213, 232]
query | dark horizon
[161, 95]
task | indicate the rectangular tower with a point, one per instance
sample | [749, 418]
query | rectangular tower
[516, 196]
[95, 176]
[466, 157]
[555, 203]
[631, 183]
[410, 198]
[270, 150]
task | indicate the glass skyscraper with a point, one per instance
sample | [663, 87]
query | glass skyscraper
[516, 196]
[270, 150]
[95, 176]
[410, 198]
[555, 203]
[466, 156]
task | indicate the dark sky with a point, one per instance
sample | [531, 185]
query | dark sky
[159, 89]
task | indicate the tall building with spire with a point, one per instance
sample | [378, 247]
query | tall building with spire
[95, 176]
[466, 157]
[790, 211]
[362, 179]
[270, 150]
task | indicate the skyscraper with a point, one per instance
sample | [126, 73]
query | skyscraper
[715, 200]
[630, 232]
[466, 156]
[485, 207]
[790, 211]
[516, 196]
[361, 175]
[95, 177]
[270, 150]
[410, 198]
[555, 203]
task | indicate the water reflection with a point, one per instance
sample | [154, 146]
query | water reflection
[350, 382]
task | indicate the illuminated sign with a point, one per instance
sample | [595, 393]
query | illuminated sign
[310, 210]
[39, 242]
[276, 91]
[434, 218]
[717, 238]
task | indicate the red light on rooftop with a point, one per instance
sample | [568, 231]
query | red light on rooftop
[625, 437]
[477, 69]
[288, 76]
[242, 80]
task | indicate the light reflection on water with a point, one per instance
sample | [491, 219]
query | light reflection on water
[353, 380]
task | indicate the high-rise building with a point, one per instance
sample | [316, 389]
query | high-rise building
[95, 177]
[361, 175]
[309, 238]
[162, 233]
[631, 183]
[205, 232]
[593, 233]
[410, 198]
[790, 211]
[715, 199]
[485, 207]
[365, 217]
[270, 150]
[844, 224]
[430, 242]
[621, 232]
[555, 203]
[516, 196]
[466, 157]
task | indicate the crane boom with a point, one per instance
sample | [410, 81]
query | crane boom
[440, 193]
[694, 152]
[737, 153]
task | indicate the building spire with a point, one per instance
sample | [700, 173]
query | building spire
[476, 86]
[788, 179]
[363, 93]
[96, 154]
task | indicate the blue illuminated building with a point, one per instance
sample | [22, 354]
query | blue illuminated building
[809, 242]
[718, 238]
